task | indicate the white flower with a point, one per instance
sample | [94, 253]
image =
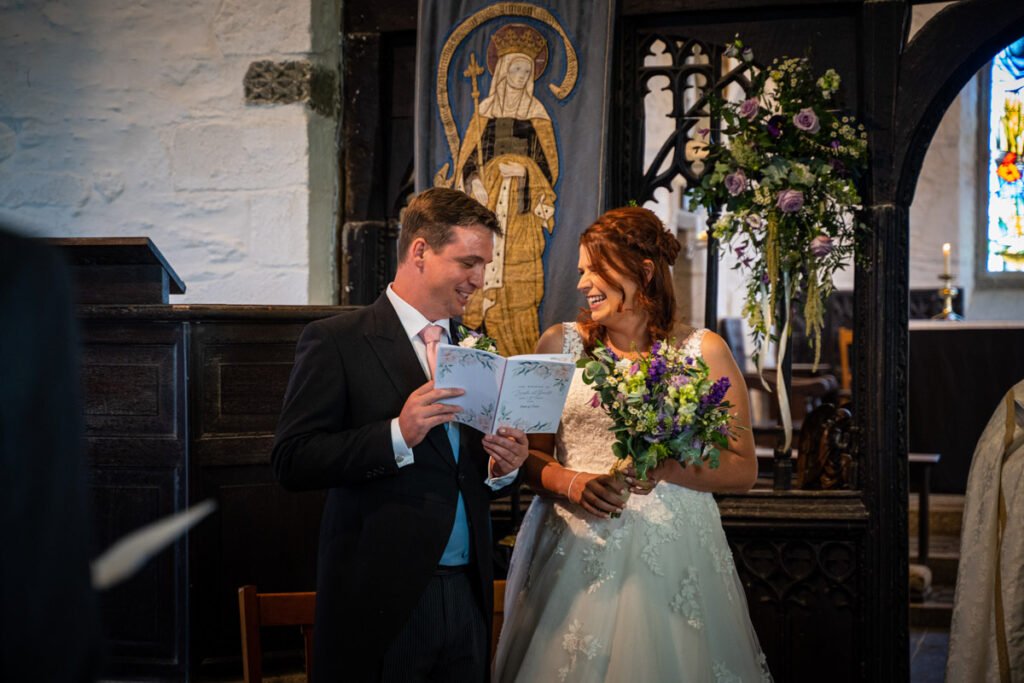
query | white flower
[468, 343]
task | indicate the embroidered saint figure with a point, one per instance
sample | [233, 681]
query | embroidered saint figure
[508, 160]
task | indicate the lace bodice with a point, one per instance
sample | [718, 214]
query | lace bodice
[583, 441]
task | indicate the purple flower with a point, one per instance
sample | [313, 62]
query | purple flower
[736, 182]
[717, 392]
[838, 166]
[656, 371]
[774, 126]
[688, 360]
[748, 110]
[764, 278]
[790, 201]
[807, 120]
[595, 401]
[835, 144]
[821, 246]
[723, 430]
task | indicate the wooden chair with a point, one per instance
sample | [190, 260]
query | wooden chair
[272, 609]
[296, 609]
[806, 393]
[845, 336]
[499, 614]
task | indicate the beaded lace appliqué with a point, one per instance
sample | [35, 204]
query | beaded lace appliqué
[685, 601]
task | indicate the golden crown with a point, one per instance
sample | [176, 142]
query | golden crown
[520, 39]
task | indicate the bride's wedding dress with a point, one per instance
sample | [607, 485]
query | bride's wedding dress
[650, 596]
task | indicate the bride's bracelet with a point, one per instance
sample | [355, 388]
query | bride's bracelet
[568, 491]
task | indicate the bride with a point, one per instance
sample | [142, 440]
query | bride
[650, 594]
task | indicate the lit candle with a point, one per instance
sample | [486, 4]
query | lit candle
[945, 257]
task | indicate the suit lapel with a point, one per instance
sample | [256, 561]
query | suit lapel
[395, 353]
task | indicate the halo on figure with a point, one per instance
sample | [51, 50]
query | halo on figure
[519, 39]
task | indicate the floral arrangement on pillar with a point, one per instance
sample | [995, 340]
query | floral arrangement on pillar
[784, 173]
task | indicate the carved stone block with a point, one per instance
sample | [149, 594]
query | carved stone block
[269, 82]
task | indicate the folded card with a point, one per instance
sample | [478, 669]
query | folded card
[525, 392]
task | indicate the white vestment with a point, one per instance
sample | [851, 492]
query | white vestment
[990, 580]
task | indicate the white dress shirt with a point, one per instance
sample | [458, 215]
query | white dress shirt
[413, 322]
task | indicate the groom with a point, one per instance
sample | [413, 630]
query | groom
[404, 578]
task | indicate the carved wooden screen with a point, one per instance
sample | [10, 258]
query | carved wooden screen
[692, 69]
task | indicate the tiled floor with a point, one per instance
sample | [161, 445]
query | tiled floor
[928, 648]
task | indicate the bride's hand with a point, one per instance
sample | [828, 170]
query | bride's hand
[598, 494]
[640, 486]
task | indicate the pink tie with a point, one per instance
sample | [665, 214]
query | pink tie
[430, 335]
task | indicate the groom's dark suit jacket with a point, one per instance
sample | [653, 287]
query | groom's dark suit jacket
[384, 528]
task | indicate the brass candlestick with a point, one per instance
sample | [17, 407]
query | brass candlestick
[948, 292]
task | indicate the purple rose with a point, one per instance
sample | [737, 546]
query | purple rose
[774, 126]
[790, 201]
[821, 246]
[807, 120]
[595, 400]
[736, 182]
[748, 110]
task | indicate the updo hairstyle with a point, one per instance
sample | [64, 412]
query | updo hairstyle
[618, 243]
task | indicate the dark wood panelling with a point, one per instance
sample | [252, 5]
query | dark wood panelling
[181, 404]
[241, 373]
[134, 395]
[261, 535]
[799, 556]
[144, 618]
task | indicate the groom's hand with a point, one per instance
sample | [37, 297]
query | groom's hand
[423, 411]
[508, 450]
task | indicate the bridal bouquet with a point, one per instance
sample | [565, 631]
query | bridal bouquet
[663, 405]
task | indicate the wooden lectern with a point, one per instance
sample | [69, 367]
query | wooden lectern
[119, 270]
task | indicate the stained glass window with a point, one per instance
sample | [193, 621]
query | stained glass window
[1005, 230]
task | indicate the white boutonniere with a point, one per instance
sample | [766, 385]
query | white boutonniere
[468, 339]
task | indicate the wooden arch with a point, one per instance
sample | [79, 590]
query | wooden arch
[940, 59]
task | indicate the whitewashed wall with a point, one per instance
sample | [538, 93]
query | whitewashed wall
[127, 118]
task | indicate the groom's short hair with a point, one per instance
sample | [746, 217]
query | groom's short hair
[433, 213]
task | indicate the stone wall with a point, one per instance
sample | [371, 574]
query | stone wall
[126, 118]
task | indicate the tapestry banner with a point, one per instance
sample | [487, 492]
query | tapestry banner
[512, 103]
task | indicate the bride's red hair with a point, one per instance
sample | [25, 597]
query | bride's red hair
[618, 243]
